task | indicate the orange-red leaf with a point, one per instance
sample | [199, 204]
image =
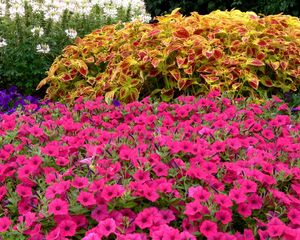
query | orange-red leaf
[181, 33]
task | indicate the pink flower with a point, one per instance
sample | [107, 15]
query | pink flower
[86, 199]
[23, 191]
[58, 207]
[141, 175]
[100, 213]
[3, 192]
[268, 134]
[248, 186]
[167, 215]
[244, 210]
[208, 228]
[112, 191]
[255, 201]
[144, 219]
[199, 193]
[275, 230]
[62, 161]
[92, 236]
[224, 215]
[80, 182]
[237, 195]
[107, 227]
[218, 146]
[5, 223]
[67, 228]
[193, 208]
[160, 169]
[223, 200]
[294, 216]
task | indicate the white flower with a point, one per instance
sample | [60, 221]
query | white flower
[2, 42]
[71, 33]
[42, 48]
[38, 30]
[110, 12]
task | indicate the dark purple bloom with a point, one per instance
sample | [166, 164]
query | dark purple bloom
[116, 102]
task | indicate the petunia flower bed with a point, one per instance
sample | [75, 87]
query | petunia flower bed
[197, 168]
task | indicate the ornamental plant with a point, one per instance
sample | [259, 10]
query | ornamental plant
[239, 53]
[33, 33]
[11, 99]
[198, 168]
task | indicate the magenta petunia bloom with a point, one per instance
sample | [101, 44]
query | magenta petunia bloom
[208, 228]
[58, 207]
[67, 228]
[5, 223]
[86, 199]
[107, 227]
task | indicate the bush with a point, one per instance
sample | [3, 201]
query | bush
[158, 7]
[33, 33]
[151, 169]
[239, 53]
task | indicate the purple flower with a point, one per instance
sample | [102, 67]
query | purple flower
[116, 102]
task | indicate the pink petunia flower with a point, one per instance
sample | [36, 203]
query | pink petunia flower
[80, 182]
[86, 199]
[208, 228]
[100, 213]
[223, 200]
[5, 223]
[244, 210]
[58, 207]
[23, 191]
[224, 215]
[3, 192]
[67, 228]
[107, 226]
[112, 191]
[237, 195]
[294, 216]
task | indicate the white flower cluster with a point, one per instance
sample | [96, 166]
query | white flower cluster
[2, 42]
[38, 31]
[71, 33]
[42, 48]
[53, 9]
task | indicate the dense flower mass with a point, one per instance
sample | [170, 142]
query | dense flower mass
[208, 168]
[11, 99]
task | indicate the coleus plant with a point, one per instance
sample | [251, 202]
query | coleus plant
[208, 168]
[237, 52]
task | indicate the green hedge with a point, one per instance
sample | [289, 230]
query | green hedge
[266, 7]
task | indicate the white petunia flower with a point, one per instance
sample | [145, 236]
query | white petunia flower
[38, 30]
[71, 33]
[42, 48]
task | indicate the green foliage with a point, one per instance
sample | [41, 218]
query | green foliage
[239, 53]
[20, 63]
[267, 7]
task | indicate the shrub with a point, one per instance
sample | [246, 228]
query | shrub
[239, 53]
[35, 32]
[158, 7]
[151, 169]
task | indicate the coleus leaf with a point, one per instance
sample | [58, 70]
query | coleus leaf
[255, 62]
[181, 33]
[167, 94]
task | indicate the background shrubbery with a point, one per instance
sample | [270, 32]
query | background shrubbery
[33, 33]
[267, 7]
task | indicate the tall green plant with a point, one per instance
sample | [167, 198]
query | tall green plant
[32, 35]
